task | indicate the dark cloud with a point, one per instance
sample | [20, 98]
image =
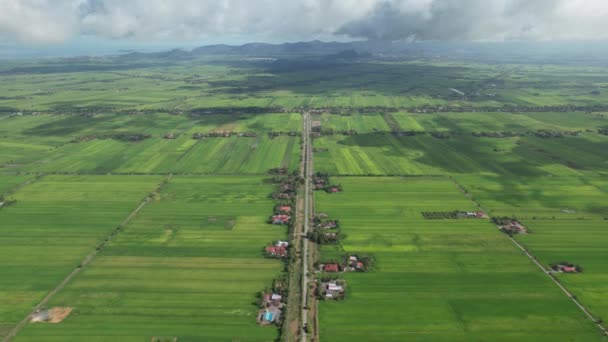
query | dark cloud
[466, 20]
[58, 20]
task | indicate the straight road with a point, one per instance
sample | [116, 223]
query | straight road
[307, 173]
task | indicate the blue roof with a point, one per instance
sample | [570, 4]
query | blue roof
[268, 316]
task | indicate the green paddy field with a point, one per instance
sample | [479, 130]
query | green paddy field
[528, 141]
[437, 280]
[189, 265]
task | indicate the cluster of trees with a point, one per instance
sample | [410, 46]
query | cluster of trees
[441, 135]
[331, 131]
[441, 215]
[279, 286]
[409, 133]
[503, 220]
[131, 137]
[326, 237]
[236, 110]
[507, 134]
[603, 131]
[278, 171]
[545, 133]
[199, 136]
[466, 108]
[275, 134]
[321, 182]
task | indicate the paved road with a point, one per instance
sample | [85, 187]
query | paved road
[307, 209]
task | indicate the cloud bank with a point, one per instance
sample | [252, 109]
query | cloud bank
[50, 21]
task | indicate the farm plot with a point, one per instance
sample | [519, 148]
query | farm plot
[8, 182]
[387, 154]
[156, 153]
[188, 266]
[217, 155]
[570, 198]
[500, 121]
[351, 122]
[579, 242]
[567, 220]
[436, 280]
[54, 223]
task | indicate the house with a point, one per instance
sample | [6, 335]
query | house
[280, 219]
[359, 265]
[277, 251]
[284, 208]
[566, 268]
[328, 225]
[334, 189]
[283, 196]
[334, 287]
[170, 136]
[331, 268]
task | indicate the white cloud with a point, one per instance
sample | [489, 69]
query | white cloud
[36, 21]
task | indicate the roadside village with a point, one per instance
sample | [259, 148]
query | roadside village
[271, 301]
[327, 231]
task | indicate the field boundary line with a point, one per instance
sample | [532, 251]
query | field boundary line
[110, 173]
[22, 185]
[188, 150]
[539, 265]
[562, 287]
[85, 262]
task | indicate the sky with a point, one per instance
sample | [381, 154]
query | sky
[37, 24]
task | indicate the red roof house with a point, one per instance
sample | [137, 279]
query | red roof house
[332, 268]
[280, 219]
[569, 269]
[278, 251]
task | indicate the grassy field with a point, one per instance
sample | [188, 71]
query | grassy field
[188, 266]
[7, 183]
[387, 154]
[361, 123]
[167, 84]
[184, 155]
[569, 198]
[44, 145]
[581, 242]
[190, 263]
[499, 121]
[54, 224]
[567, 219]
[437, 280]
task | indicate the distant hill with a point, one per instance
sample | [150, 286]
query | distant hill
[262, 49]
[512, 52]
